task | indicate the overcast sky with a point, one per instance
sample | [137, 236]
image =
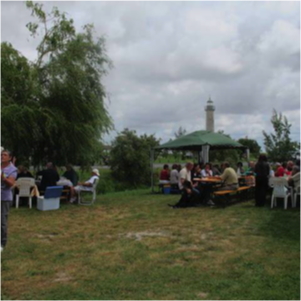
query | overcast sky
[170, 56]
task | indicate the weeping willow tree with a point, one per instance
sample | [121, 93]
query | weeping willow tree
[53, 108]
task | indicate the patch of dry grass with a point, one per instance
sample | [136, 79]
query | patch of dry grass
[132, 246]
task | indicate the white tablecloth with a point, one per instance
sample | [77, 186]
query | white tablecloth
[64, 182]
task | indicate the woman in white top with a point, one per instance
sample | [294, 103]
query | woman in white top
[174, 175]
[207, 171]
[240, 169]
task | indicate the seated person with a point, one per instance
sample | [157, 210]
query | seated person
[229, 178]
[289, 168]
[174, 176]
[294, 178]
[71, 174]
[164, 175]
[189, 196]
[281, 170]
[239, 170]
[215, 170]
[222, 168]
[207, 171]
[23, 172]
[49, 176]
[272, 173]
[185, 175]
[84, 186]
[251, 168]
[196, 171]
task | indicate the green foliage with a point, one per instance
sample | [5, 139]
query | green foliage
[279, 146]
[181, 132]
[231, 155]
[20, 109]
[170, 159]
[130, 158]
[63, 114]
[251, 144]
[179, 154]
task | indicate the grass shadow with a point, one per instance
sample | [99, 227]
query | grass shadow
[281, 224]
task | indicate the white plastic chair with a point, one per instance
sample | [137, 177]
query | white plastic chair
[24, 185]
[295, 194]
[81, 201]
[295, 190]
[279, 191]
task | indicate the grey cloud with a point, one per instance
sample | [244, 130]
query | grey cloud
[170, 56]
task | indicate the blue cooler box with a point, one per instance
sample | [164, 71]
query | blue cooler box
[166, 189]
[51, 199]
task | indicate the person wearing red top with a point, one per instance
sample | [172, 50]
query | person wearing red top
[164, 174]
[282, 171]
[289, 168]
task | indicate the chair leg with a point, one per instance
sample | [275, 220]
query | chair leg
[285, 202]
[81, 200]
[30, 202]
[17, 201]
[272, 201]
[293, 198]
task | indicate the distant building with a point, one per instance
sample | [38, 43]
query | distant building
[210, 108]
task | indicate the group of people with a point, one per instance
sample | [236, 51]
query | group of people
[194, 193]
[168, 176]
[50, 177]
[47, 177]
[263, 171]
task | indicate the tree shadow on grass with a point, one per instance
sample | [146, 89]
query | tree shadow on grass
[281, 224]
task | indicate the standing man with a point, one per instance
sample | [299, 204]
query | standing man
[8, 177]
[262, 170]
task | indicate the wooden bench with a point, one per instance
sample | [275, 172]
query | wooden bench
[226, 194]
[65, 196]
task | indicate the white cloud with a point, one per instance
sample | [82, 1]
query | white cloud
[281, 37]
[170, 56]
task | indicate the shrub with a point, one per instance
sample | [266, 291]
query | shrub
[130, 158]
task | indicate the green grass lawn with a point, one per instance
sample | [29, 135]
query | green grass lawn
[131, 245]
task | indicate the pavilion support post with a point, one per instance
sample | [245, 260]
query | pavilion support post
[248, 154]
[152, 168]
[205, 153]
[199, 157]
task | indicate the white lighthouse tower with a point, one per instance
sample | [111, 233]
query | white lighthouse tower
[210, 108]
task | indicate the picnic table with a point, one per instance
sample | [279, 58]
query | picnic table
[64, 182]
[212, 180]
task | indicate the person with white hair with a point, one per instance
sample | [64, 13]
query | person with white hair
[84, 186]
[8, 177]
